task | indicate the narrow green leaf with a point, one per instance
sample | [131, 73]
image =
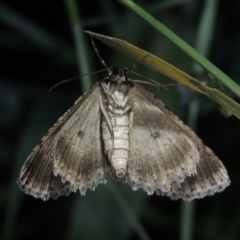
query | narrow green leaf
[170, 71]
[80, 44]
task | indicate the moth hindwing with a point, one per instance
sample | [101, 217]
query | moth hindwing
[118, 129]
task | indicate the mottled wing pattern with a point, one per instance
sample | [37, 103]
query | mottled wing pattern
[78, 157]
[166, 157]
[211, 177]
[37, 178]
[53, 161]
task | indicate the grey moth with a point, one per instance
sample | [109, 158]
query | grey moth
[118, 129]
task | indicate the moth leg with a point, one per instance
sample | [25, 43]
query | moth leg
[105, 114]
[109, 89]
[131, 115]
[107, 140]
[107, 131]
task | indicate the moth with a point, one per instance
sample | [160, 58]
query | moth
[118, 129]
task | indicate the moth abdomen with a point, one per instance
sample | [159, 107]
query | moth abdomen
[117, 143]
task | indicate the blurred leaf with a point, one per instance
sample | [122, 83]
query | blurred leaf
[80, 43]
[41, 38]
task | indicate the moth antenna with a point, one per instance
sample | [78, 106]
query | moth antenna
[132, 67]
[70, 79]
[142, 81]
[136, 63]
[152, 82]
[101, 59]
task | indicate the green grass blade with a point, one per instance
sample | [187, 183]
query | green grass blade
[80, 44]
[129, 214]
[186, 220]
[85, 82]
[203, 40]
[187, 215]
[228, 82]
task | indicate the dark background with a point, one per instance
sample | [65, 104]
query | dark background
[37, 51]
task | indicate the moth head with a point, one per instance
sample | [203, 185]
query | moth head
[118, 75]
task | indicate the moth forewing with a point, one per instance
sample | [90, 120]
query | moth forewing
[174, 161]
[211, 177]
[162, 152]
[70, 156]
[80, 159]
[36, 177]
